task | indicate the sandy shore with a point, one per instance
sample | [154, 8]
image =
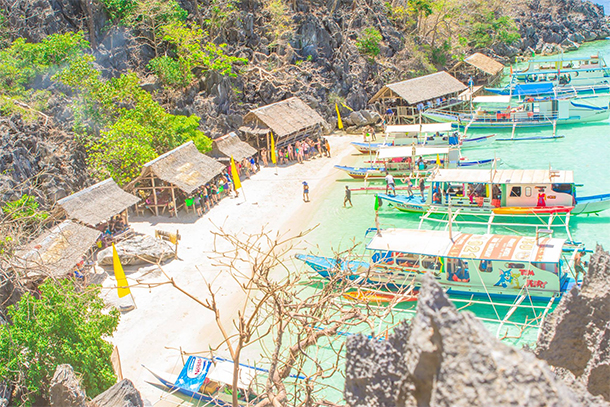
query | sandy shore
[166, 320]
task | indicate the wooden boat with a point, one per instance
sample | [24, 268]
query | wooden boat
[533, 112]
[425, 134]
[517, 192]
[496, 266]
[379, 297]
[211, 381]
[550, 89]
[560, 73]
[400, 162]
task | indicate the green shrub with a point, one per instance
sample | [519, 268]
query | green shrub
[60, 325]
[170, 72]
[24, 209]
[368, 42]
[118, 9]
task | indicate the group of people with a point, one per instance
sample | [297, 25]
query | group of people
[298, 151]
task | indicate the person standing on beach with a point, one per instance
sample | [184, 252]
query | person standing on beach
[305, 191]
[422, 187]
[197, 203]
[348, 197]
[327, 144]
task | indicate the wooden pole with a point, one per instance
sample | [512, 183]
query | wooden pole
[174, 200]
[152, 180]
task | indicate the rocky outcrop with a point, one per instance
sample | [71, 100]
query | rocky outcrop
[65, 389]
[122, 394]
[40, 160]
[576, 336]
[139, 249]
[448, 358]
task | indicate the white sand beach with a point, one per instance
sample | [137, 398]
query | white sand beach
[165, 320]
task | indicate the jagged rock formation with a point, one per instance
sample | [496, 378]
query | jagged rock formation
[40, 160]
[575, 339]
[122, 394]
[139, 249]
[65, 389]
[448, 358]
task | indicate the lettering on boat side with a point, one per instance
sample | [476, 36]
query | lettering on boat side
[536, 283]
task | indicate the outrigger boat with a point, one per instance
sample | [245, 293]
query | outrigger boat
[400, 162]
[575, 73]
[425, 134]
[533, 112]
[496, 266]
[549, 89]
[211, 381]
[501, 192]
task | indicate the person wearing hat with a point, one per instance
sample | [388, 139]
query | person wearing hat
[305, 191]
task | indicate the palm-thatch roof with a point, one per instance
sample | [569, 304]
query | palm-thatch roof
[98, 203]
[484, 63]
[230, 145]
[185, 167]
[282, 118]
[421, 89]
[57, 251]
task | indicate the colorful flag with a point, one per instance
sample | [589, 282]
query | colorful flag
[511, 70]
[377, 203]
[235, 175]
[273, 158]
[438, 160]
[339, 122]
[119, 274]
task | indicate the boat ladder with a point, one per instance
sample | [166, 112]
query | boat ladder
[510, 313]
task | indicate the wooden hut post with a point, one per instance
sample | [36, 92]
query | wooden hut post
[174, 200]
[154, 191]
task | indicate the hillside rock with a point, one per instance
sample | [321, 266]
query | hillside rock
[122, 394]
[448, 358]
[576, 336]
[65, 389]
[139, 249]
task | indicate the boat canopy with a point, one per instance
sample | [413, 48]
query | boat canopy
[561, 58]
[222, 372]
[419, 128]
[500, 99]
[411, 151]
[534, 89]
[465, 245]
[503, 176]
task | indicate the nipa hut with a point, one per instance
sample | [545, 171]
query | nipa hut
[408, 98]
[58, 252]
[230, 145]
[166, 181]
[99, 205]
[482, 69]
[290, 120]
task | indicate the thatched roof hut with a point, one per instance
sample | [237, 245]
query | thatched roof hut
[57, 251]
[429, 89]
[480, 67]
[289, 120]
[230, 145]
[184, 168]
[98, 203]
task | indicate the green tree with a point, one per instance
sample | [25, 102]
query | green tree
[118, 9]
[26, 209]
[61, 325]
[369, 41]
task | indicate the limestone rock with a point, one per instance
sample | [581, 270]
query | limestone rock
[122, 394]
[140, 249]
[448, 358]
[576, 336]
[65, 389]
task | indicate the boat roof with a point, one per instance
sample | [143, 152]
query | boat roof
[411, 151]
[222, 372]
[503, 176]
[419, 128]
[560, 58]
[466, 245]
[499, 99]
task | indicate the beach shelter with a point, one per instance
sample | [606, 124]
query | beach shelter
[408, 98]
[230, 145]
[96, 205]
[290, 120]
[57, 252]
[484, 70]
[169, 178]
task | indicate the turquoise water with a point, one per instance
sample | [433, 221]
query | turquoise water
[585, 150]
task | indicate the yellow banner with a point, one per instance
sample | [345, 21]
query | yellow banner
[119, 274]
[339, 121]
[235, 175]
[273, 158]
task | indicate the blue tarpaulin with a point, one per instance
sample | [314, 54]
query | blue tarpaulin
[533, 89]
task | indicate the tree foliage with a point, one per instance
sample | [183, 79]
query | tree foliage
[369, 41]
[490, 29]
[61, 325]
[118, 9]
